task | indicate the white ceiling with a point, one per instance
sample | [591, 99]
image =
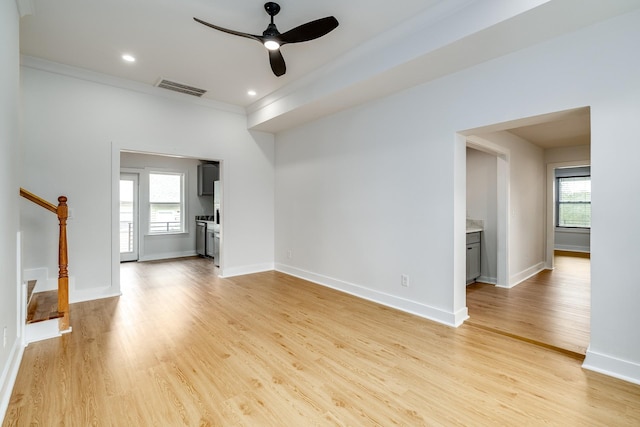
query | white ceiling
[378, 48]
[561, 129]
[168, 43]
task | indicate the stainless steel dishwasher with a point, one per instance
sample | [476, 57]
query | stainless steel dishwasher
[201, 235]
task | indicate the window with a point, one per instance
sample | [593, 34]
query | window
[573, 204]
[166, 203]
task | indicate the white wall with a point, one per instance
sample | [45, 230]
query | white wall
[374, 192]
[572, 240]
[74, 130]
[10, 353]
[568, 154]
[172, 245]
[526, 205]
[365, 196]
[482, 204]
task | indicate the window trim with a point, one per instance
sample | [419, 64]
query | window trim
[184, 228]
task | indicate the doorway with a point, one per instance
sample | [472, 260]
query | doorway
[549, 304]
[129, 218]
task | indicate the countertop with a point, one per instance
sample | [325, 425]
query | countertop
[474, 225]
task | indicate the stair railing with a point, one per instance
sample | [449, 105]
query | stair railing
[62, 211]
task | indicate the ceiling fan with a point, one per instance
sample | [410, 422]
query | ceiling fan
[273, 40]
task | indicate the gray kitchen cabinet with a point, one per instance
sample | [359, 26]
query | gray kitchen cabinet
[210, 243]
[207, 174]
[473, 256]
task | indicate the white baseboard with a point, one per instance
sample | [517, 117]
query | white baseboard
[526, 274]
[9, 375]
[247, 269]
[612, 366]
[487, 279]
[81, 295]
[167, 255]
[402, 304]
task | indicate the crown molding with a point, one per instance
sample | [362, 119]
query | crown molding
[95, 77]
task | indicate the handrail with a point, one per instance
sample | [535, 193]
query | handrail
[38, 200]
[62, 211]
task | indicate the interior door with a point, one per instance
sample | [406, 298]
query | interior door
[129, 218]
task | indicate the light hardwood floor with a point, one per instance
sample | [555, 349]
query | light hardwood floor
[551, 308]
[183, 347]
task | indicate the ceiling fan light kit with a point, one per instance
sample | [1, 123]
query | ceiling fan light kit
[273, 40]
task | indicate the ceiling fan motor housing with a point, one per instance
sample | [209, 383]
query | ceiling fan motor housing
[272, 8]
[271, 31]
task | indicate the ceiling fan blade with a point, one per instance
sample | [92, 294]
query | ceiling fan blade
[225, 30]
[277, 62]
[309, 31]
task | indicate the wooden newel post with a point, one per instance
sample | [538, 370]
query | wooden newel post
[63, 264]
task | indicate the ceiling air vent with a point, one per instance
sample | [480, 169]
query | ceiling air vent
[182, 88]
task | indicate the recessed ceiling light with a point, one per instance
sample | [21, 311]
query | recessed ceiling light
[128, 58]
[251, 93]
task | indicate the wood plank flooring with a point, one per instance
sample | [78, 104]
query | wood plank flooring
[551, 308]
[43, 306]
[184, 347]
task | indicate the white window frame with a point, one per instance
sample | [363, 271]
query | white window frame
[183, 201]
[558, 203]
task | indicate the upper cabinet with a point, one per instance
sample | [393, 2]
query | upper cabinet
[207, 174]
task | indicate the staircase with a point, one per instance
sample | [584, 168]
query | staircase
[47, 312]
[41, 306]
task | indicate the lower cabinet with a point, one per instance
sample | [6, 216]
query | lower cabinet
[210, 243]
[473, 256]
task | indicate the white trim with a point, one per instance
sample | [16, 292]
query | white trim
[21, 297]
[612, 366]
[92, 294]
[247, 269]
[114, 289]
[402, 304]
[486, 279]
[167, 255]
[573, 230]
[43, 330]
[9, 375]
[573, 248]
[92, 76]
[525, 274]
[133, 175]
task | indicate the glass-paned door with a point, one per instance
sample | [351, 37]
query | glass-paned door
[129, 223]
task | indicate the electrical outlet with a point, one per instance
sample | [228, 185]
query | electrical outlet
[404, 280]
[289, 254]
